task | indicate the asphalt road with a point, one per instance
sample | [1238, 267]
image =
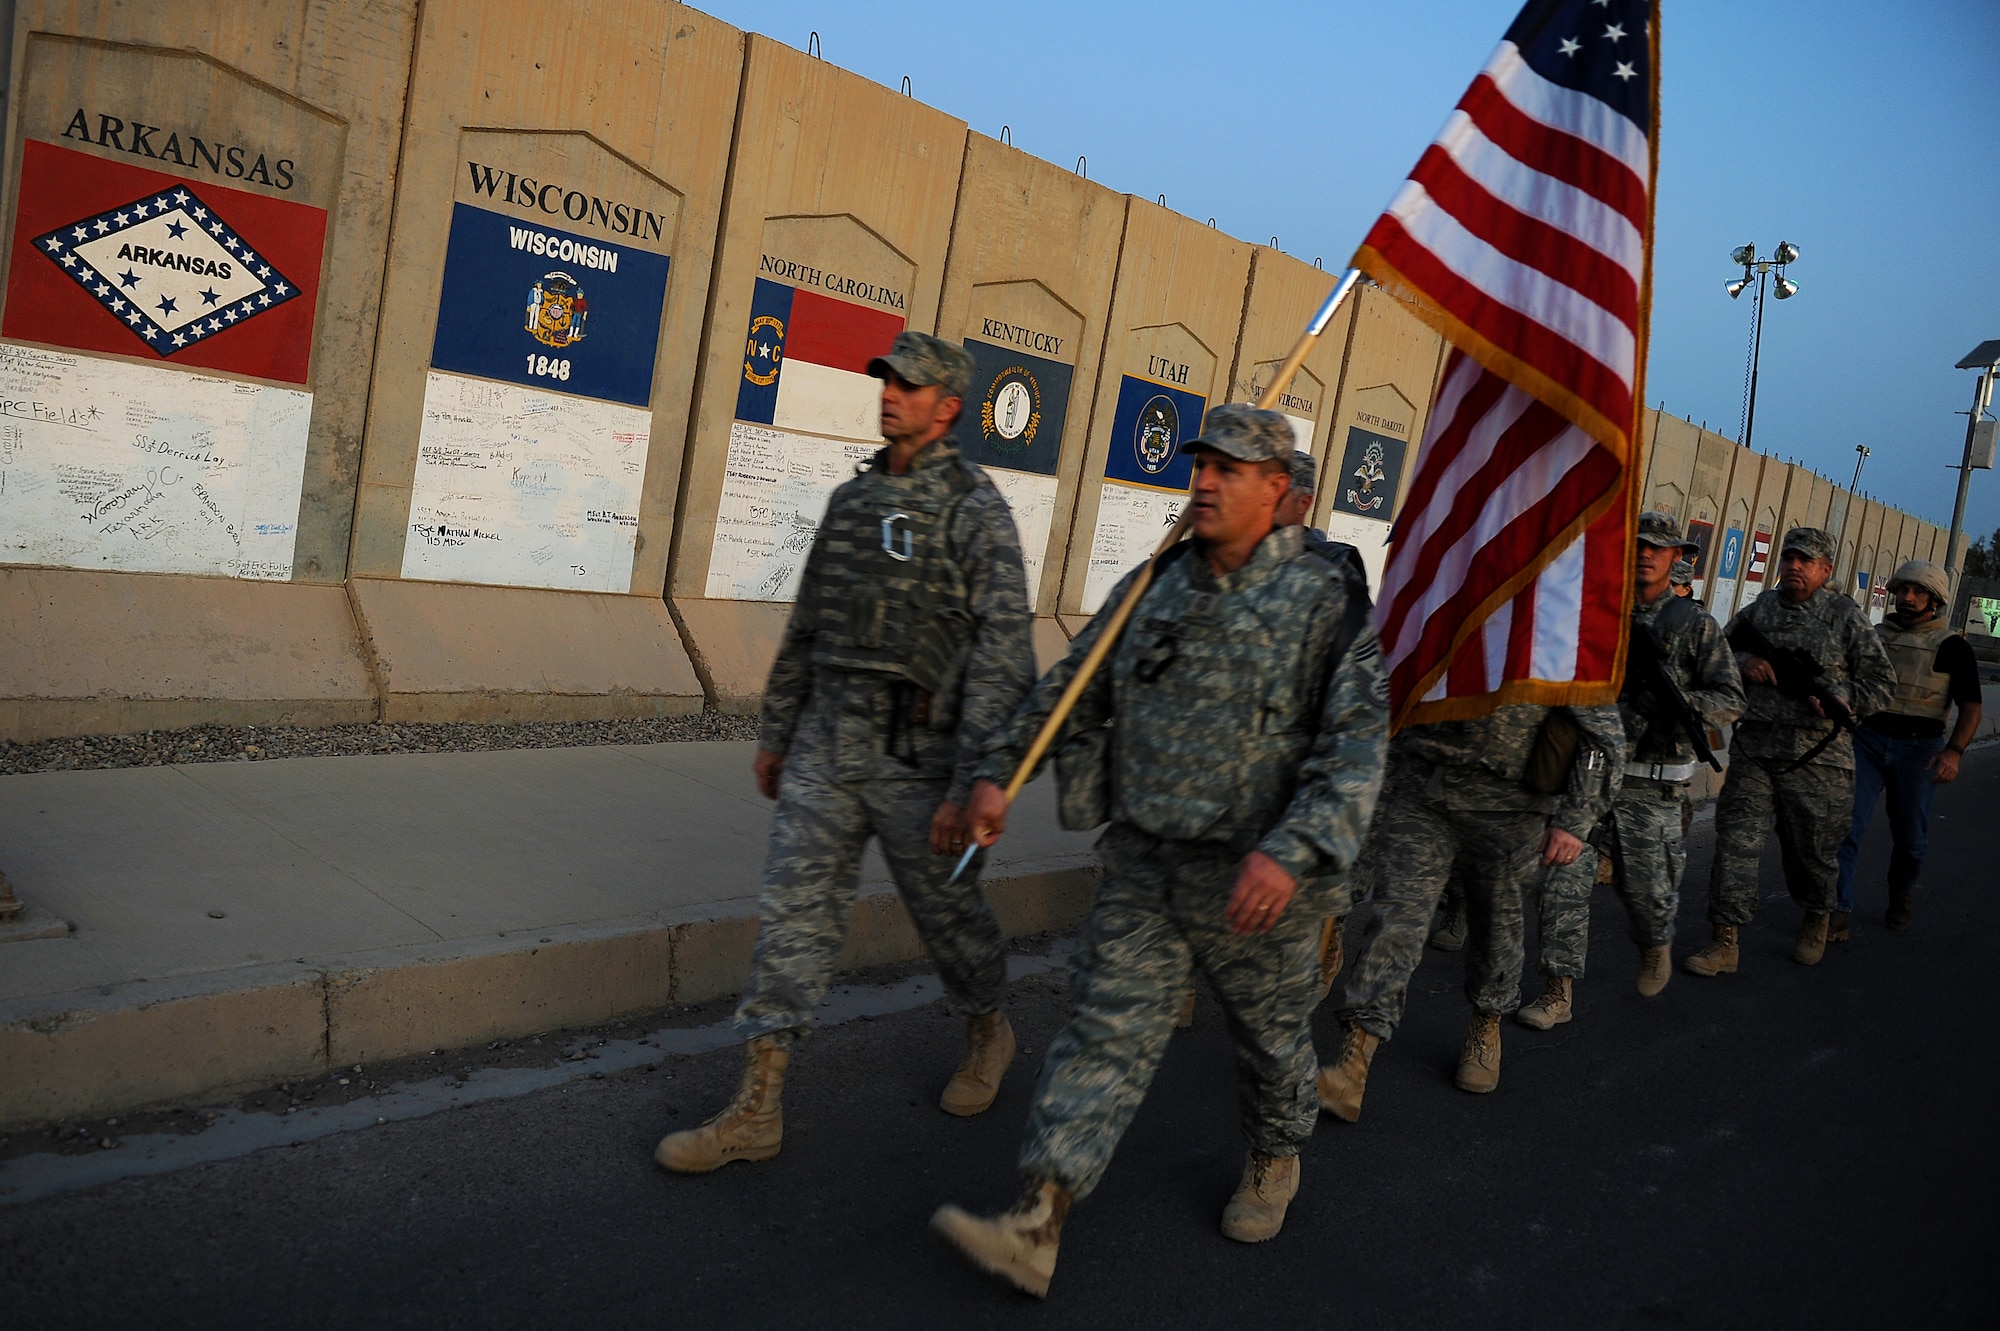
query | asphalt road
[1782, 1147]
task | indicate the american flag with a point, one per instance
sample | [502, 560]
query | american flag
[1524, 235]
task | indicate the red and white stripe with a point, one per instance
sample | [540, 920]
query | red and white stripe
[1525, 225]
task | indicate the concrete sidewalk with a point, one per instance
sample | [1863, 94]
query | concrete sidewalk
[237, 923]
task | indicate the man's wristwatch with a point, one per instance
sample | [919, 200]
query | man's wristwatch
[1953, 748]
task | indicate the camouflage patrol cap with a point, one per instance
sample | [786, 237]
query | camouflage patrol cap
[1810, 542]
[1663, 529]
[1303, 468]
[1246, 433]
[919, 359]
[1922, 573]
[1682, 574]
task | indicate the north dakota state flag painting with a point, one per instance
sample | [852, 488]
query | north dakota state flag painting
[115, 258]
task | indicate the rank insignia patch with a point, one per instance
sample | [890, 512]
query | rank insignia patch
[168, 267]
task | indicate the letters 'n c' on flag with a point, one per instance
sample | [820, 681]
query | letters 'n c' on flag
[1524, 235]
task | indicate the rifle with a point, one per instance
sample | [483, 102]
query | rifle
[1798, 676]
[1650, 655]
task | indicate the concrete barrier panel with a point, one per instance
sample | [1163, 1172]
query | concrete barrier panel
[444, 653]
[196, 211]
[549, 262]
[1027, 287]
[840, 205]
[242, 653]
[1169, 340]
[1377, 424]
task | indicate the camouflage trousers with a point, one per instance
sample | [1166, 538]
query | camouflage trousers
[1811, 808]
[1159, 914]
[1414, 845]
[1647, 852]
[818, 833]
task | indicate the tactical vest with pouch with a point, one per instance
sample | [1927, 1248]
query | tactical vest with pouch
[1920, 689]
[889, 594]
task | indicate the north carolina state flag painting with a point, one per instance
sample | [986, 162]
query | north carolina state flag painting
[116, 258]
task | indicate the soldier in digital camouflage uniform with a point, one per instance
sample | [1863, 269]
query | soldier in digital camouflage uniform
[1790, 766]
[1682, 579]
[1234, 742]
[1642, 834]
[1455, 798]
[908, 644]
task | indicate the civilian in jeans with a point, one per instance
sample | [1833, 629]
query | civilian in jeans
[1903, 751]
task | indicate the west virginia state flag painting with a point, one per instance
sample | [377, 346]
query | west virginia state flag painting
[1524, 235]
[116, 258]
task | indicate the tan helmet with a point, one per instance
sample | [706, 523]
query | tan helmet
[1922, 573]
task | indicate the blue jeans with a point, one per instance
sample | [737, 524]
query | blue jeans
[1898, 767]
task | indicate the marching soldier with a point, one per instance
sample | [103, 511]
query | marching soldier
[1234, 742]
[1680, 677]
[1811, 664]
[908, 643]
[1902, 750]
[1494, 799]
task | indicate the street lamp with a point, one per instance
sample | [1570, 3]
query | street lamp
[1783, 288]
[1861, 454]
[1984, 358]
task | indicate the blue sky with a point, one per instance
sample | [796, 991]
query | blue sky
[1864, 133]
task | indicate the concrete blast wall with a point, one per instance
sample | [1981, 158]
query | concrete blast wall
[197, 199]
[549, 261]
[1739, 504]
[462, 361]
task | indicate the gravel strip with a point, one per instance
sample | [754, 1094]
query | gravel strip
[230, 744]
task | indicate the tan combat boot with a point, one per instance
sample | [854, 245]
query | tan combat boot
[1902, 905]
[1018, 1245]
[1257, 1211]
[1553, 1008]
[989, 1048]
[1838, 929]
[1479, 1062]
[1811, 944]
[1656, 967]
[1342, 1084]
[1330, 956]
[751, 1128]
[1719, 957]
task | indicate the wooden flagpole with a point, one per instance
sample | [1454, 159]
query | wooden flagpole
[1100, 649]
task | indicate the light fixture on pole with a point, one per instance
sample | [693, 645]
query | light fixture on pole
[1783, 288]
[1861, 453]
[1979, 433]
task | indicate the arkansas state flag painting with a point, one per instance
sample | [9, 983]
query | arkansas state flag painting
[116, 258]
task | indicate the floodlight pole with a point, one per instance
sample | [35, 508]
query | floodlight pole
[1982, 393]
[1756, 350]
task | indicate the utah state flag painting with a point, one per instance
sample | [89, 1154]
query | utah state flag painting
[115, 258]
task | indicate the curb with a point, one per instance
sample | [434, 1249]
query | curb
[151, 1042]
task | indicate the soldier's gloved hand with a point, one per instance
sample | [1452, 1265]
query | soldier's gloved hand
[986, 815]
[1559, 847]
[1263, 890]
[767, 768]
[948, 829]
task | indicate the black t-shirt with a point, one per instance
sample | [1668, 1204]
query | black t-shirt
[1954, 658]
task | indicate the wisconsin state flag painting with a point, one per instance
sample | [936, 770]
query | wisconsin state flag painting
[805, 363]
[115, 258]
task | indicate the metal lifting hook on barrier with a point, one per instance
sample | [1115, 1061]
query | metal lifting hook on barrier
[1100, 649]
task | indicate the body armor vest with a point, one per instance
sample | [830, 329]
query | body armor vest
[889, 596]
[1920, 689]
